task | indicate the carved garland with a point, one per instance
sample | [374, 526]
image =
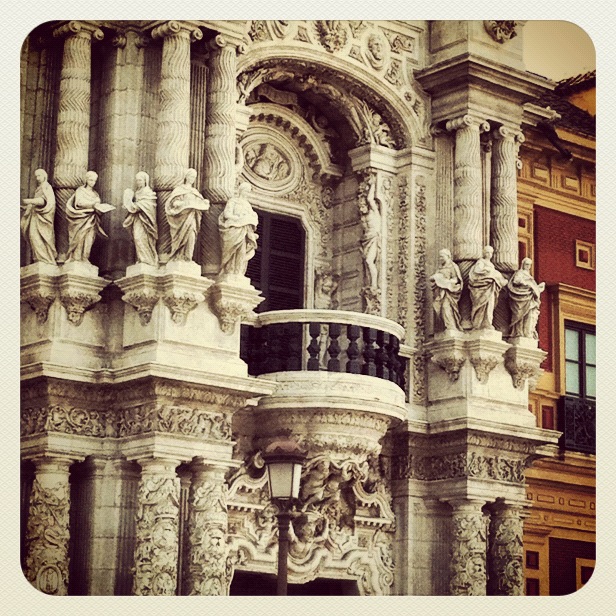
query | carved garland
[419, 300]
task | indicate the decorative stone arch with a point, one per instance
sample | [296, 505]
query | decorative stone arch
[405, 110]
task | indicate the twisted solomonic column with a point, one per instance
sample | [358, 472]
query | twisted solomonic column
[468, 549]
[467, 240]
[173, 144]
[220, 143]
[156, 541]
[205, 570]
[505, 564]
[73, 126]
[504, 207]
[47, 529]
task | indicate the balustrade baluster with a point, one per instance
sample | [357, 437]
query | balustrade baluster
[333, 365]
[314, 329]
[381, 359]
[369, 367]
[294, 346]
[353, 365]
[275, 340]
[396, 364]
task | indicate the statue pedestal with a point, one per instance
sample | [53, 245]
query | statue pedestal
[168, 324]
[233, 298]
[62, 320]
[468, 378]
[523, 362]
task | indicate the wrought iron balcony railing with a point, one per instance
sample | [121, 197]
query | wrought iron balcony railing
[576, 420]
[326, 340]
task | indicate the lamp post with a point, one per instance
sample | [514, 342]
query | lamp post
[284, 460]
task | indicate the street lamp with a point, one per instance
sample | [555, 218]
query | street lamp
[284, 460]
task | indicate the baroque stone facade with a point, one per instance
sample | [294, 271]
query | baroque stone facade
[161, 381]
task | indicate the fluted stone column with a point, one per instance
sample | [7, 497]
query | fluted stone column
[173, 143]
[220, 141]
[47, 530]
[505, 562]
[156, 543]
[206, 571]
[73, 126]
[469, 546]
[504, 207]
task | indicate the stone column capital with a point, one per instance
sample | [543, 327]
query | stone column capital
[177, 28]
[51, 463]
[79, 28]
[467, 120]
[466, 505]
[158, 466]
[219, 42]
[506, 133]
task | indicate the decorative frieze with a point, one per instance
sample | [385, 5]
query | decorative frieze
[67, 420]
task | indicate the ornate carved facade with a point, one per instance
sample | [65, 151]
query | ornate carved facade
[162, 383]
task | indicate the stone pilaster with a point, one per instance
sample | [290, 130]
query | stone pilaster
[505, 565]
[220, 141]
[467, 240]
[206, 569]
[47, 531]
[156, 545]
[504, 220]
[173, 144]
[121, 122]
[469, 548]
[73, 125]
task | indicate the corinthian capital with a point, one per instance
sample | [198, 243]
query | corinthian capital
[82, 28]
[174, 28]
[467, 120]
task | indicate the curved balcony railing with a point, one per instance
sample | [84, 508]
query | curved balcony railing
[326, 340]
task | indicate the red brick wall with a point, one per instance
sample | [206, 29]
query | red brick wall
[555, 235]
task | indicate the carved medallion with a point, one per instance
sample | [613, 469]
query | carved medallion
[268, 162]
[376, 50]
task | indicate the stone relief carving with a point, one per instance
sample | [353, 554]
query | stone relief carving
[501, 31]
[83, 213]
[37, 221]
[399, 43]
[156, 550]
[258, 31]
[143, 301]
[394, 73]
[506, 551]
[237, 224]
[376, 50]
[206, 572]
[447, 286]
[403, 250]
[468, 558]
[325, 287]
[76, 303]
[524, 301]
[71, 420]
[268, 162]
[419, 301]
[184, 209]
[332, 33]
[141, 219]
[485, 283]
[180, 303]
[39, 297]
[47, 537]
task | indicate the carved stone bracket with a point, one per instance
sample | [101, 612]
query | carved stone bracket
[39, 288]
[485, 352]
[233, 298]
[140, 287]
[523, 361]
[182, 288]
[501, 30]
[79, 287]
[447, 351]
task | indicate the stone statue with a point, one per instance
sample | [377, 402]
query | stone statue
[141, 218]
[184, 210]
[447, 286]
[237, 224]
[37, 220]
[325, 286]
[485, 283]
[83, 213]
[371, 238]
[524, 301]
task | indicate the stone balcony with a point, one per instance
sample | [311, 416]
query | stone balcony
[339, 375]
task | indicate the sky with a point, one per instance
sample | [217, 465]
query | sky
[557, 49]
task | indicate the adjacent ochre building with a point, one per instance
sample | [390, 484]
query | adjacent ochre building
[149, 390]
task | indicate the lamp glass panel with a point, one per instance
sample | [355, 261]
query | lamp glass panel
[297, 475]
[280, 479]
